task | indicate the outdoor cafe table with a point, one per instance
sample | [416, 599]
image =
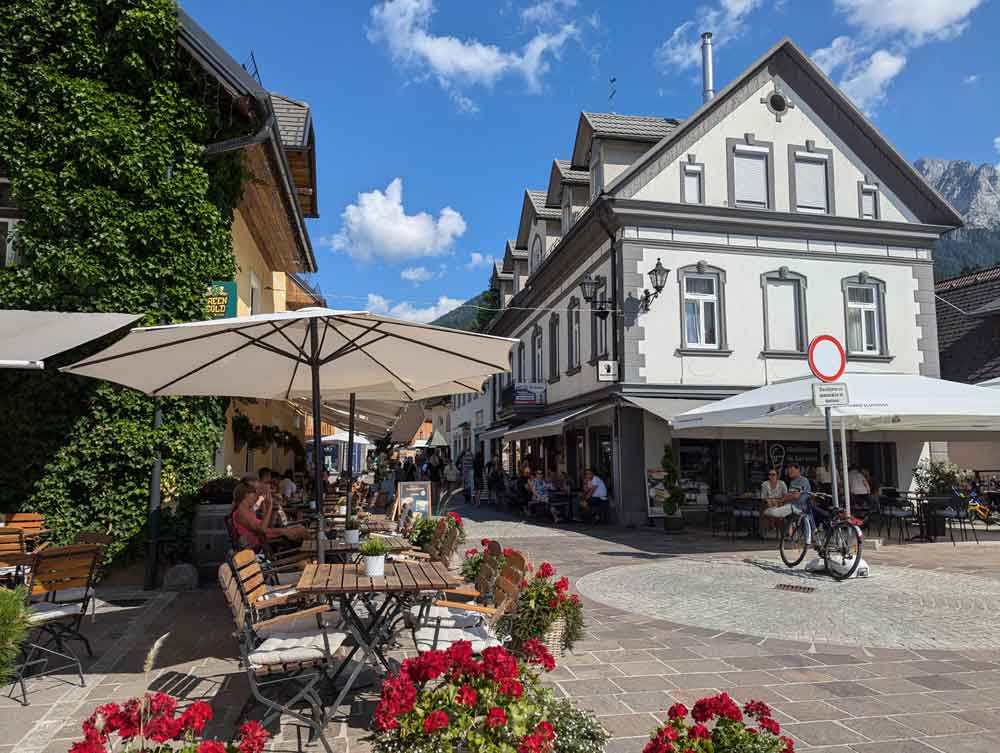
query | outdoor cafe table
[401, 586]
[345, 552]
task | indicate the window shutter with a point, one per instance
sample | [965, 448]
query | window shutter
[692, 188]
[782, 316]
[810, 185]
[868, 205]
[750, 178]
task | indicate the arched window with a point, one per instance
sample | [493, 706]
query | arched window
[536, 255]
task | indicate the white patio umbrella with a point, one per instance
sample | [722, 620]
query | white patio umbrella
[313, 352]
[27, 338]
[878, 402]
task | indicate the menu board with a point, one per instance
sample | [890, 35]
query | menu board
[655, 492]
[414, 495]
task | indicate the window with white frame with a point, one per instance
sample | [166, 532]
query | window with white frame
[864, 314]
[703, 321]
[692, 183]
[812, 177]
[751, 175]
[536, 255]
[868, 200]
[537, 358]
[573, 335]
[784, 312]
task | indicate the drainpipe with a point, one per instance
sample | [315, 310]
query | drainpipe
[613, 237]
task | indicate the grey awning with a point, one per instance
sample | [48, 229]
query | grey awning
[665, 407]
[27, 338]
[546, 426]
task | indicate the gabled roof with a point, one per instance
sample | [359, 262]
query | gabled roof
[963, 281]
[611, 125]
[533, 206]
[294, 121]
[509, 254]
[809, 83]
[563, 172]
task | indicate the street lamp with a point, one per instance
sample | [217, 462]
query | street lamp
[589, 288]
[658, 279]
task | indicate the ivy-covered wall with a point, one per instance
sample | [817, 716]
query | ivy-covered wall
[101, 126]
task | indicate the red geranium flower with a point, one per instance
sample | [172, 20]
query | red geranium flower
[757, 709]
[195, 716]
[699, 731]
[545, 570]
[484, 542]
[435, 720]
[677, 711]
[162, 728]
[162, 704]
[510, 687]
[553, 603]
[496, 717]
[469, 553]
[531, 744]
[456, 517]
[253, 737]
[562, 584]
[544, 730]
[767, 723]
[210, 746]
[467, 696]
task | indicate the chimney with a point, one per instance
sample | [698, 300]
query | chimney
[706, 66]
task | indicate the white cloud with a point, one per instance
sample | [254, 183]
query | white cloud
[843, 51]
[727, 21]
[404, 27]
[378, 304]
[416, 275]
[916, 20]
[996, 145]
[546, 11]
[377, 225]
[971, 78]
[866, 82]
[477, 260]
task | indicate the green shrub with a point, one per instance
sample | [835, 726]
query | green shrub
[13, 630]
[423, 531]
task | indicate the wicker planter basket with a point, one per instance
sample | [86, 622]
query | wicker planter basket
[553, 638]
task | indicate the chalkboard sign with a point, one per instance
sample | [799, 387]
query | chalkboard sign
[414, 495]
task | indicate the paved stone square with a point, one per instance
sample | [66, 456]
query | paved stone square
[669, 619]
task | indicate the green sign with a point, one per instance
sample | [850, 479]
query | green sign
[221, 299]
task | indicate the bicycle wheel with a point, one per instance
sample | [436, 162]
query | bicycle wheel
[793, 545]
[842, 552]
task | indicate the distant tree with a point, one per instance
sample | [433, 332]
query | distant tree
[489, 302]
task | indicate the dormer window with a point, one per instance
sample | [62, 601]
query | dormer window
[868, 200]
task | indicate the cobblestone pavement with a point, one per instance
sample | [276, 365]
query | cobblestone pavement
[832, 698]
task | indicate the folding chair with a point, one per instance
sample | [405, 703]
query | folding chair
[68, 569]
[260, 594]
[31, 523]
[293, 649]
[14, 557]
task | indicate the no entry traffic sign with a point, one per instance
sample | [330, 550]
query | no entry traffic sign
[827, 359]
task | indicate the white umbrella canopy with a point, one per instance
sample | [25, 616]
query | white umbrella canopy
[27, 338]
[271, 355]
[313, 353]
[878, 402]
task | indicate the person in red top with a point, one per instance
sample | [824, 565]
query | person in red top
[253, 530]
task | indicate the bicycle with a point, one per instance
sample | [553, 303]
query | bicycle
[978, 507]
[837, 539]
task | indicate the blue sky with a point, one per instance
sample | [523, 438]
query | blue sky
[433, 116]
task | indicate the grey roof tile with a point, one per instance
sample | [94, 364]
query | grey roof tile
[571, 175]
[538, 199]
[968, 343]
[644, 127]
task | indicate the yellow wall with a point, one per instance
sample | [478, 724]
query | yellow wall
[250, 262]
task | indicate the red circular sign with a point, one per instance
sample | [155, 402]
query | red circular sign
[827, 359]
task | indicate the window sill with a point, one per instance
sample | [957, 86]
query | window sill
[791, 355]
[572, 371]
[553, 379]
[715, 352]
[600, 357]
[869, 358]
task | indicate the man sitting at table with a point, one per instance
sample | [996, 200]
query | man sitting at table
[797, 499]
[595, 496]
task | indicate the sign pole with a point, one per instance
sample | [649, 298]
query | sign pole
[833, 474]
[843, 460]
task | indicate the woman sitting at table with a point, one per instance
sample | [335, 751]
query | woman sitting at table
[252, 514]
[772, 493]
[539, 492]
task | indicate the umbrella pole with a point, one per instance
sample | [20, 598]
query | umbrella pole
[350, 452]
[317, 441]
[153, 513]
[843, 460]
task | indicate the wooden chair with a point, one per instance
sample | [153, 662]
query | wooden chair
[32, 523]
[294, 649]
[14, 557]
[54, 571]
[280, 568]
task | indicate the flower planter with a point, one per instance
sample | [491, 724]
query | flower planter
[553, 638]
[673, 523]
[375, 566]
[352, 536]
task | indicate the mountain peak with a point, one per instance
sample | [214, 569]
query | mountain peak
[974, 190]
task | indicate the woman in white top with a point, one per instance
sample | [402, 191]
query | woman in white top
[773, 488]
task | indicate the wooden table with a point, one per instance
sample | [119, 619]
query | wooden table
[402, 583]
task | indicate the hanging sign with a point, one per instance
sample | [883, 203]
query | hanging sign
[220, 301]
[827, 359]
[830, 395]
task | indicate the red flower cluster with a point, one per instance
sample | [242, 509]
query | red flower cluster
[538, 741]
[154, 717]
[484, 543]
[398, 698]
[496, 717]
[538, 653]
[457, 518]
[435, 720]
[676, 735]
[471, 552]
[545, 570]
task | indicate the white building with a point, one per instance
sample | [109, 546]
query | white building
[780, 212]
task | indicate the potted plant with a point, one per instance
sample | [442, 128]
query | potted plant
[730, 733]
[374, 550]
[352, 531]
[13, 630]
[546, 612]
[672, 496]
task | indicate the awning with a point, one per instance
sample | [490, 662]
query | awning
[665, 407]
[408, 424]
[494, 433]
[27, 338]
[546, 426]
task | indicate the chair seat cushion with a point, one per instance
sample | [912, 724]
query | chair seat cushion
[301, 625]
[47, 611]
[277, 592]
[450, 618]
[479, 637]
[289, 647]
[289, 579]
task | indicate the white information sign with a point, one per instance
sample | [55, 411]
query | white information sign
[830, 395]
[607, 371]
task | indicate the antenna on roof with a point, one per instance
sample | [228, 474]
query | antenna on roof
[612, 88]
[250, 66]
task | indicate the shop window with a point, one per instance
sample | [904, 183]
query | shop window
[554, 369]
[785, 329]
[702, 308]
[751, 173]
[864, 313]
[537, 363]
[573, 335]
[868, 200]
